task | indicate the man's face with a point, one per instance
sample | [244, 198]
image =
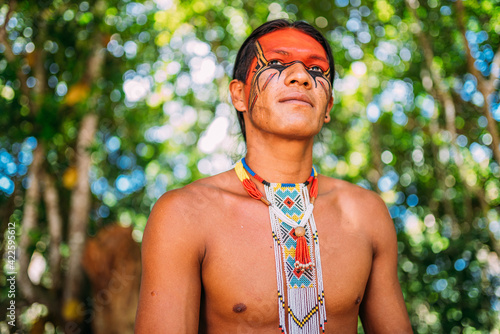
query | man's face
[288, 86]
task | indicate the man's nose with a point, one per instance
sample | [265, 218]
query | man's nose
[297, 74]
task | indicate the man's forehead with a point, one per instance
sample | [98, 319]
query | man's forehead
[292, 42]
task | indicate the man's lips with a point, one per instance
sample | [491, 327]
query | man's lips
[297, 98]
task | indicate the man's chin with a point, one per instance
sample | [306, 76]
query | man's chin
[297, 133]
[290, 125]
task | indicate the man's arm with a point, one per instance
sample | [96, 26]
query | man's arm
[383, 309]
[172, 251]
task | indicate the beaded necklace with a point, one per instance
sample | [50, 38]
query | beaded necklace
[296, 249]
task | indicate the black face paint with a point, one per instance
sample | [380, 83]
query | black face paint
[263, 66]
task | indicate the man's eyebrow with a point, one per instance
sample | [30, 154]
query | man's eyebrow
[318, 58]
[283, 52]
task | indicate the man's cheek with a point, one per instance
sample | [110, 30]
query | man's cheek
[267, 77]
[324, 85]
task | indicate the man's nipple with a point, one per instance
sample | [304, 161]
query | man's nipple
[239, 308]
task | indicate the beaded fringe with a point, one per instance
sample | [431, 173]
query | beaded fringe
[305, 305]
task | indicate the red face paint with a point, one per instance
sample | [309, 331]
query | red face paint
[281, 49]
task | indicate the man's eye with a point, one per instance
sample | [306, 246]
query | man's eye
[316, 69]
[275, 62]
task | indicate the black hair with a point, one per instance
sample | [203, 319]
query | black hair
[247, 52]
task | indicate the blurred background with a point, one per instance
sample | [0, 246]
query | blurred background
[107, 104]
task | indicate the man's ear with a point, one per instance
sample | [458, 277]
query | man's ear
[328, 109]
[237, 90]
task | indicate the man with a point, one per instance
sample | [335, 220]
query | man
[225, 255]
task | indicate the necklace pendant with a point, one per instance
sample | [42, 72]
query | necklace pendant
[300, 231]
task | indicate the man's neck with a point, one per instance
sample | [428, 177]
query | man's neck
[280, 160]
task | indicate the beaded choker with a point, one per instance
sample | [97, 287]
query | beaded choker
[296, 248]
[252, 190]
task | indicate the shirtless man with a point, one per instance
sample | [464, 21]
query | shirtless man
[208, 253]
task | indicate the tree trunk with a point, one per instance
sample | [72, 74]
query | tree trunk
[440, 170]
[374, 174]
[79, 212]
[29, 221]
[54, 219]
[80, 197]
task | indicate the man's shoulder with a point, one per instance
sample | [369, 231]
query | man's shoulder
[186, 209]
[359, 204]
[200, 194]
[363, 208]
[348, 193]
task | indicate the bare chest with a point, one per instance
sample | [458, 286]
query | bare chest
[239, 271]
